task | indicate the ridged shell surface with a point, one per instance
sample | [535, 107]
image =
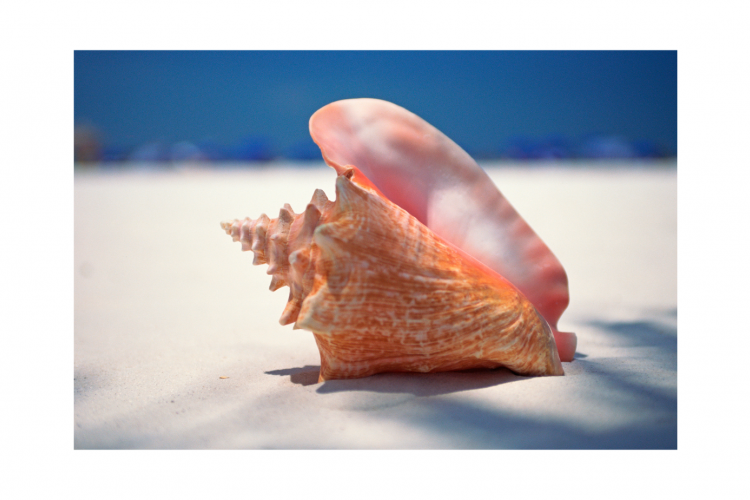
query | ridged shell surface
[424, 172]
[381, 292]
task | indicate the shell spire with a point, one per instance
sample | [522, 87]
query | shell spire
[284, 244]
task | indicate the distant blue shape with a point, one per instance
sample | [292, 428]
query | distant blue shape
[213, 151]
[152, 152]
[556, 147]
[552, 147]
[112, 153]
[185, 151]
[253, 148]
[519, 148]
[607, 147]
[648, 149]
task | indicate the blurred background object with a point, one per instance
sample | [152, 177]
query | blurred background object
[86, 148]
[164, 107]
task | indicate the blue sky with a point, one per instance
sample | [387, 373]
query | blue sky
[483, 100]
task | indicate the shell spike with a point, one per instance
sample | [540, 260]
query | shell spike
[277, 282]
[344, 191]
[258, 245]
[319, 199]
[291, 311]
[286, 214]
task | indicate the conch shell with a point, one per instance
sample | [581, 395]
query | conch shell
[392, 279]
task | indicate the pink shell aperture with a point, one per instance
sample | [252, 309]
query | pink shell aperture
[382, 292]
[419, 265]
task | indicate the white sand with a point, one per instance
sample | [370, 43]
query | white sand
[166, 304]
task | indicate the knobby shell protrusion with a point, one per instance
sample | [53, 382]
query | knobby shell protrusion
[284, 244]
[381, 292]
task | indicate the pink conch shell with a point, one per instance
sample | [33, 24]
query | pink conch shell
[424, 172]
[382, 292]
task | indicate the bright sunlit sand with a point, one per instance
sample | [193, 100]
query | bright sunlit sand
[177, 341]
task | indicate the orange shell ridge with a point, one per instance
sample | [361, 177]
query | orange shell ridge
[382, 293]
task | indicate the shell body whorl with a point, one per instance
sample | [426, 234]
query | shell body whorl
[423, 171]
[381, 292]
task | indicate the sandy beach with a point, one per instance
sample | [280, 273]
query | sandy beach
[178, 345]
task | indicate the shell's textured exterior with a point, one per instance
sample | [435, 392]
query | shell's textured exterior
[424, 172]
[382, 292]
